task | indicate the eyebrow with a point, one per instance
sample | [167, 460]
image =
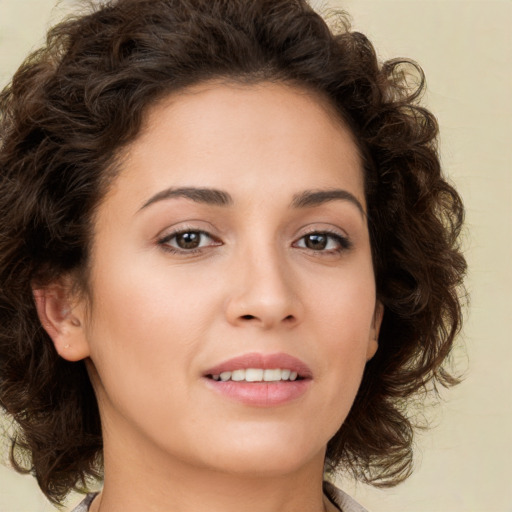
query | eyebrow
[215, 197]
[312, 198]
[209, 196]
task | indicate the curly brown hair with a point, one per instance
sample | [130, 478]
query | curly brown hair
[75, 103]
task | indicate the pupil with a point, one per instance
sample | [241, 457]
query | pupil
[316, 242]
[188, 240]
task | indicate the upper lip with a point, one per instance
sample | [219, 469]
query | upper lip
[263, 361]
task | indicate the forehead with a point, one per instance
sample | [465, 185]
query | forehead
[245, 137]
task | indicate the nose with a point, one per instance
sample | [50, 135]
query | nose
[263, 292]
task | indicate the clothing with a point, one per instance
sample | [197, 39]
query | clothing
[343, 501]
[86, 503]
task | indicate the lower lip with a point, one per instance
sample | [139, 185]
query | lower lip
[261, 394]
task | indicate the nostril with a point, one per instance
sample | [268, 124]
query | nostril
[289, 318]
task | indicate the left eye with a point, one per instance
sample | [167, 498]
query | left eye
[188, 240]
[323, 242]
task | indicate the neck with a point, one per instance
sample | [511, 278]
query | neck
[145, 479]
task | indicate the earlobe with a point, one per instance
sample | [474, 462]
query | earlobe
[373, 342]
[61, 321]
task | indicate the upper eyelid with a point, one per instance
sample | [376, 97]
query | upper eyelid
[185, 227]
[179, 231]
[173, 234]
[331, 230]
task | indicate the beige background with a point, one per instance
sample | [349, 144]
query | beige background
[464, 462]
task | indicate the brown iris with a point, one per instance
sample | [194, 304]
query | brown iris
[188, 240]
[317, 241]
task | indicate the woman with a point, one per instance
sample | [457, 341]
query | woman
[228, 258]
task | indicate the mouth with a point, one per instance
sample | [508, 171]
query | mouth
[261, 380]
[256, 367]
[257, 375]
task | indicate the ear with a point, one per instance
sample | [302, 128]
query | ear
[63, 319]
[373, 342]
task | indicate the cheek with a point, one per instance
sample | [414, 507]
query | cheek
[150, 321]
[344, 315]
[144, 340]
[344, 304]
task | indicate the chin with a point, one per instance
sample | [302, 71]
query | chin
[265, 457]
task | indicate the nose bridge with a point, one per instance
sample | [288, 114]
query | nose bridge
[262, 290]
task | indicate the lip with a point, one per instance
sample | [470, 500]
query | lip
[264, 361]
[261, 394]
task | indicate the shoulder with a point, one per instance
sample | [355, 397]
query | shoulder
[344, 502]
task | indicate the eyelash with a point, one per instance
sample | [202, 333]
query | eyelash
[342, 242]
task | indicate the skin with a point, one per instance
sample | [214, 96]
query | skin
[155, 320]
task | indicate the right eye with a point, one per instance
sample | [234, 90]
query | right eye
[187, 241]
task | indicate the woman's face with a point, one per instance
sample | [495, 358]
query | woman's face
[236, 229]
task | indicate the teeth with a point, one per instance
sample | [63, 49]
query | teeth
[256, 375]
[252, 375]
[271, 375]
[238, 375]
